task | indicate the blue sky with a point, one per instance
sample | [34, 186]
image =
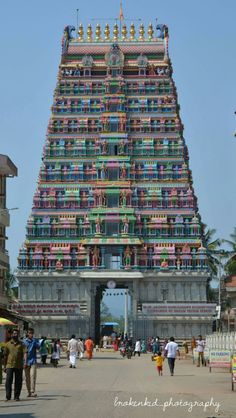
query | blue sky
[202, 50]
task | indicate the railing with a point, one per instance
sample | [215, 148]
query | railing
[222, 341]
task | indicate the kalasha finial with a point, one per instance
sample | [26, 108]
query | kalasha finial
[107, 32]
[150, 32]
[115, 32]
[98, 32]
[89, 32]
[141, 32]
[81, 32]
[132, 31]
[124, 32]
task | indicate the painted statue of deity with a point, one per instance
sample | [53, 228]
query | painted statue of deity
[123, 171]
[104, 147]
[98, 225]
[95, 257]
[125, 221]
[103, 171]
[59, 265]
[127, 257]
[123, 198]
[121, 148]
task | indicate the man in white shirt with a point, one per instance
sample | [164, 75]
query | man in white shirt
[200, 349]
[170, 351]
[72, 349]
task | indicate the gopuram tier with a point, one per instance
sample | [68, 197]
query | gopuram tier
[115, 198]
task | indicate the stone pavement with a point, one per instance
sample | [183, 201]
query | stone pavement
[109, 386]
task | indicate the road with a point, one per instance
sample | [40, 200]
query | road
[112, 387]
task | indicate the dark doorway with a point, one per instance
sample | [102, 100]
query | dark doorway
[114, 300]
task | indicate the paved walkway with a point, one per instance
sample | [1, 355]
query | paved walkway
[109, 386]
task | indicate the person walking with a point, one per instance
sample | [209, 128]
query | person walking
[170, 351]
[43, 350]
[143, 346]
[185, 347]
[200, 349]
[32, 344]
[137, 348]
[56, 349]
[81, 348]
[89, 348]
[73, 349]
[159, 363]
[193, 344]
[156, 346]
[15, 356]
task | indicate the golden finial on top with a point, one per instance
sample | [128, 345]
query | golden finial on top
[89, 32]
[141, 32]
[132, 31]
[124, 32]
[98, 32]
[115, 32]
[150, 32]
[107, 32]
[81, 32]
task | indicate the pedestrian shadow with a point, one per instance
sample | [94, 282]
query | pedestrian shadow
[19, 415]
[49, 397]
[16, 405]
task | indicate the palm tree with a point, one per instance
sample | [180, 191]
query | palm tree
[11, 285]
[230, 266]
[213, 250]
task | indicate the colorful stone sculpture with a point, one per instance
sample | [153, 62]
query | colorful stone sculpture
[114, 176]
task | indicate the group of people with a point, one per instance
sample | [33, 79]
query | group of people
[168, 349]
[76, 348]
[52, 348]
[21, 354]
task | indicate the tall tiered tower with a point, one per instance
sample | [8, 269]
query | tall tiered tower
[115, 201]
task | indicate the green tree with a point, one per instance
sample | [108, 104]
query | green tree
[105, 314]
[213, 250]
[230, 266]
[11, 285]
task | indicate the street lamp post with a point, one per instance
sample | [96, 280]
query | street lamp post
[219, 297]
[126, 313]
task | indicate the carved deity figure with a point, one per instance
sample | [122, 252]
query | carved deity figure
[86, 221]
[104, 147]
[59, 265]
[127, 256]
[103, 171]
[125, 221]
[100, 196]
[123, 171]
[164, 264]
[121, 147]
[98, 225]
[123, 198]
[95, 256]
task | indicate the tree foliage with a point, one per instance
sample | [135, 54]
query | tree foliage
[213, 249]
[230, 266]
[11, 285]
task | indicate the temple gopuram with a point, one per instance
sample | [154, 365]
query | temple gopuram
[114, 204]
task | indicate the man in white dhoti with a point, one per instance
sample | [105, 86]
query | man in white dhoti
[73, 349]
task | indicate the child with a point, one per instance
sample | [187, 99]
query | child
[159, 362]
